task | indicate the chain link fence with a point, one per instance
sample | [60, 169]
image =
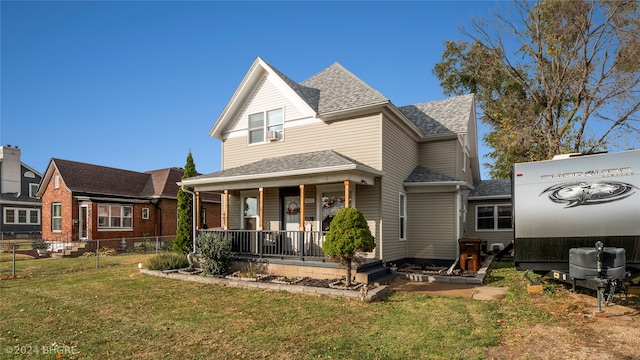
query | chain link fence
[87, 248]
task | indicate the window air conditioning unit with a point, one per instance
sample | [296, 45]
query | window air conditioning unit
[273, 135]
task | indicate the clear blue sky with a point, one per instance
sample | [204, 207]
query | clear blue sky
[136, 85]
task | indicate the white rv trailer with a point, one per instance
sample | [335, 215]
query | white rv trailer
[574, 202]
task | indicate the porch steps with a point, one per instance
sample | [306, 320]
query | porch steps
[375, 273]
[75, 250]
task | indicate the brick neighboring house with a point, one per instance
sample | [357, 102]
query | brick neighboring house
[86, 202]
[21, 209]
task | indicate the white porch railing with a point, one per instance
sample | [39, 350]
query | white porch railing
[275, 243]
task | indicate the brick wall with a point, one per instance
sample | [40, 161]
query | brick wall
[63, 196]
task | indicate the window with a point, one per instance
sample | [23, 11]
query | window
[259, 131]
[493, 217]
[56, 181]
[21, 216]
[33, 189]
[403, 216]
[56, 217]
[145, 213]
[114, 217]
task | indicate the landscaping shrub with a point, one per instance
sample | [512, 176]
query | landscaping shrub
[168, 261]
[215, 252]
[348, 235]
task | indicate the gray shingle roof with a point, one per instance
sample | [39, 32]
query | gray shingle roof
[335, 89]
[422, 174]
[489, 188]
[305, 161]
[443, 116]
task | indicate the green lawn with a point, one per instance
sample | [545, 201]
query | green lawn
[114, 312]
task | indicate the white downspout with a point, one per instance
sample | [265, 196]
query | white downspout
[457, 212]
[192, 254]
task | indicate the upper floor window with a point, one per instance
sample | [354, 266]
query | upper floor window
[33, 189]
[56, 181]
[493, 217]
[266, 126]
[114, 217]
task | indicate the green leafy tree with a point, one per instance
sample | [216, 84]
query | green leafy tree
[348, 235]
[184, 233]
[550, 77]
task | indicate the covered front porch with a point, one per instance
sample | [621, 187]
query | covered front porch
[281, 207]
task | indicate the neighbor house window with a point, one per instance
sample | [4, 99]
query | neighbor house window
[56, 181]
[145, 213]
[114, 216]
[493, 217]
[403, 216]
[266, 126]
[33, 189]
[21, 216]
[56, 217]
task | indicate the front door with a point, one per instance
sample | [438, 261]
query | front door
[291, 218]
[83, 222]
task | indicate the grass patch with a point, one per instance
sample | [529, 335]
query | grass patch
[116, 312]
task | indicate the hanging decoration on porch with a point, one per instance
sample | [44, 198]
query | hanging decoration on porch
[293, 208]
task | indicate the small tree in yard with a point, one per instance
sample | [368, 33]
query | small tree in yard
[348, 235]
[184, 233]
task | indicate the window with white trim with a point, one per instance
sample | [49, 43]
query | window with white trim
[33, 189]
[19, 216]
[266, 126]
[56, 217]
[493, 217]
[403, 216]
[56, 181]
[114, 216]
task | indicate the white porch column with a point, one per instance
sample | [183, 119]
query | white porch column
[302, 207]
[225, 212]
[261, 210]
[198, 217]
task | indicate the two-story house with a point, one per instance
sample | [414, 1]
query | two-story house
[293, 154]
[88, 202]
[21, 209]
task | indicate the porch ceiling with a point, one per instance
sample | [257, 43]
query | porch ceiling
[320, 167]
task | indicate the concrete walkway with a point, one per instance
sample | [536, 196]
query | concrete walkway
[453, 286]
[473, 291]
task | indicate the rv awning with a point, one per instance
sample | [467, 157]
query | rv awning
[320, 167]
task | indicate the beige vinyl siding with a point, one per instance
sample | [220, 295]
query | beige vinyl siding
[357, 138]
[440, 156]
[399, 158]
[501, 236]
[368, 202]
[431, 225]
[271, 209]
[265, 97]
[460, 173]
[235, 212]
